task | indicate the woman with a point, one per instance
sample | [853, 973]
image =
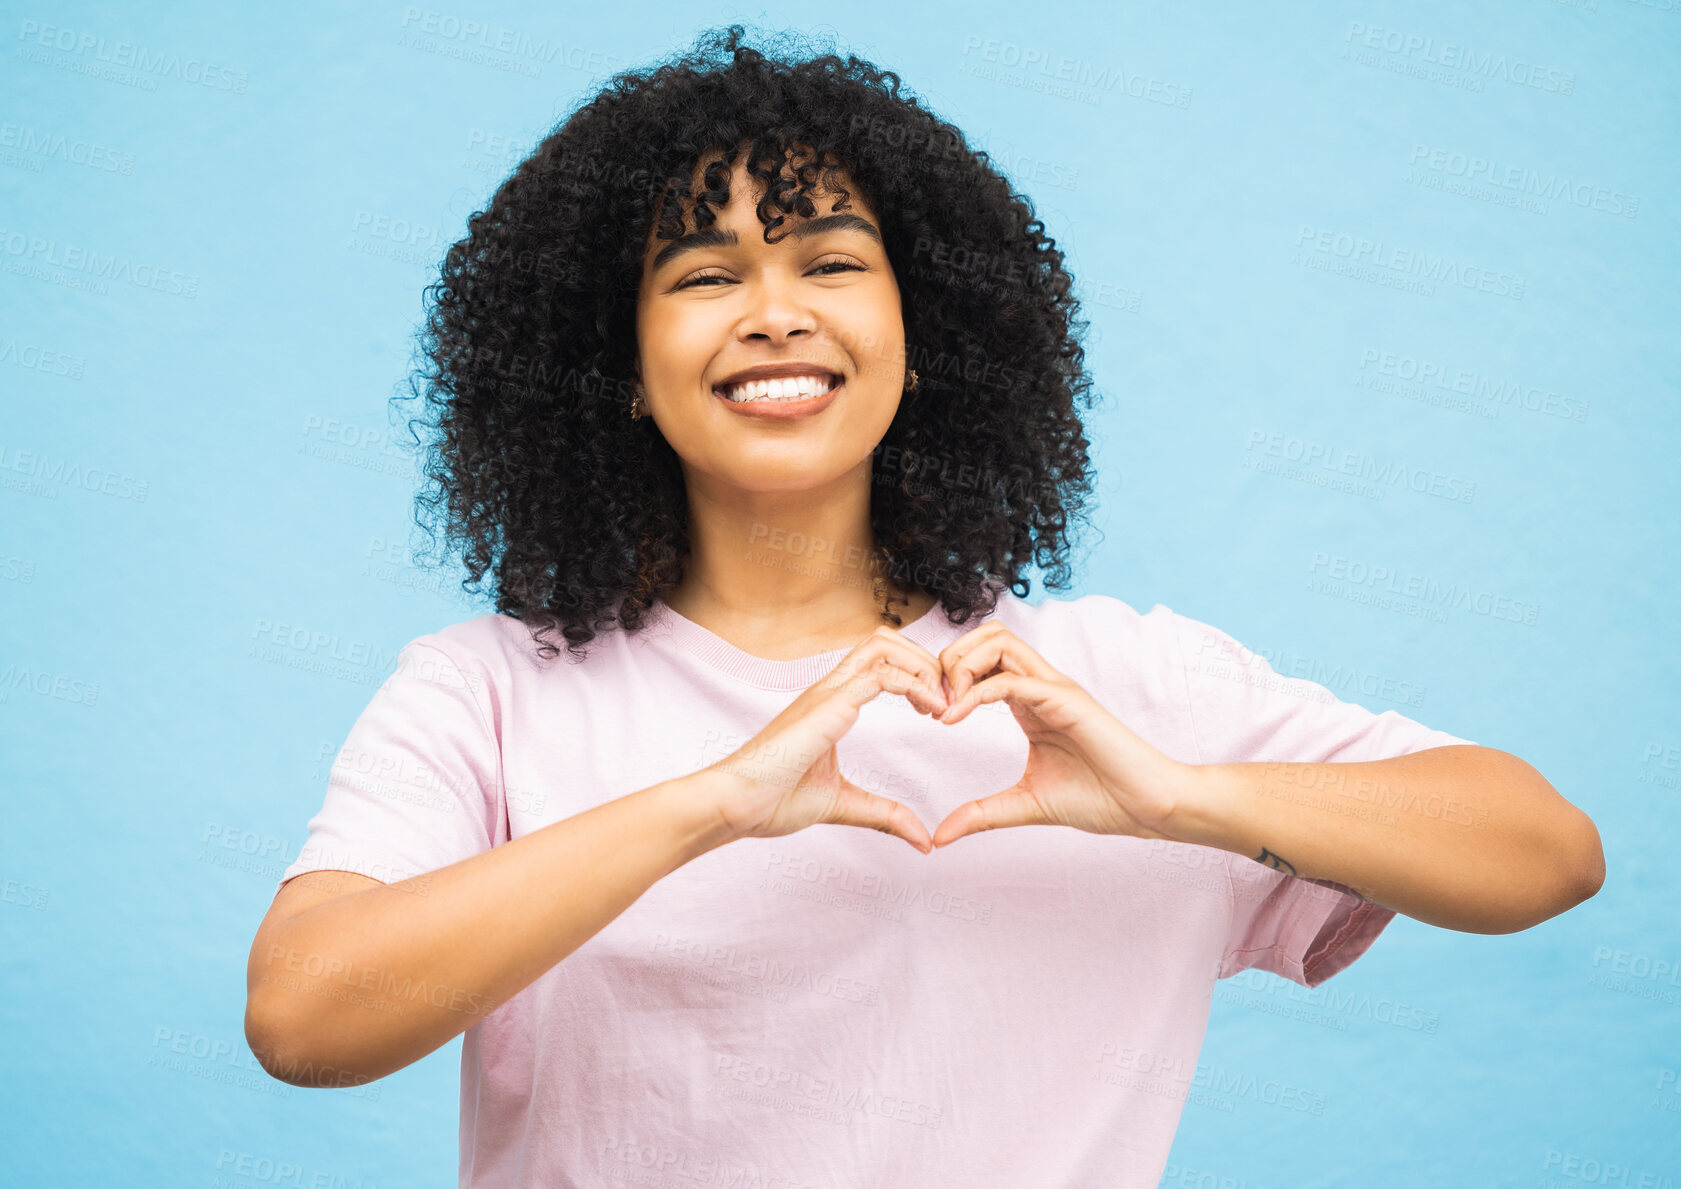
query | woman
[757, 386]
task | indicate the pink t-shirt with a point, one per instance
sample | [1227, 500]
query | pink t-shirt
[832, 1008]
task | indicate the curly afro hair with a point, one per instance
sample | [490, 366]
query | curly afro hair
[529, 344]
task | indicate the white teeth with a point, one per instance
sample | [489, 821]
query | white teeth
[783, 388]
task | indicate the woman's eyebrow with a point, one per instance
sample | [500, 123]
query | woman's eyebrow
[717, 237]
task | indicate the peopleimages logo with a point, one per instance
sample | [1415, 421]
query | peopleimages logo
[498, 45]
[45, 360]
[33, 255]
[1585, 1170]
[1358, 250]
[1517, 179]
[39, 145]
[46, 474]
[1356, 464]
[1502, 393]
[1641, 966]
[1060, 74]
[1417, 48]
[1338, 1004]
[145, 62]
[1418, 586]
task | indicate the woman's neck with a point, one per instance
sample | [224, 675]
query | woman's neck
[779, 625]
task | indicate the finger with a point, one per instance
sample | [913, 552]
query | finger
[828, 708]
[863, 676]
[887, 661]
[915, 658]
[954, 652]
[854, 806]
[886, 672]
[923, 655]
[1012, 807]
[997, 688]
[981, 653]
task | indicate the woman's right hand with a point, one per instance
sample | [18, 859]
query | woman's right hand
[787, 777]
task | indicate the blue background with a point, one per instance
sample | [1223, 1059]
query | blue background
[186, 466]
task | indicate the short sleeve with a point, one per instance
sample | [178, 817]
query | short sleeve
[1243, 711]
[418, 783]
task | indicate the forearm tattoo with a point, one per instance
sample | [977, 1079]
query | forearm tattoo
[1277, 862]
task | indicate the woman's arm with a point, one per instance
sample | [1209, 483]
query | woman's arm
[1461, 837]
[358, 986]
[370, 981]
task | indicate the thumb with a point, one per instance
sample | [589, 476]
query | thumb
[853, 806]
[1015, 806]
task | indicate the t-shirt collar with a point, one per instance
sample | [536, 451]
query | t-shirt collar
[932, 630]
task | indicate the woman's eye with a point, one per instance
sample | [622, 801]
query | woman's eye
[818, 271]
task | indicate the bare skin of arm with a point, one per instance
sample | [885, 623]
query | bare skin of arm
[350, 979]
[334, 974]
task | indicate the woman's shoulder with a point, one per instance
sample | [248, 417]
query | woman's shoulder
[1132, 661]
[1100, 637]
[502, 649]
[1088, 614]
[482, 635]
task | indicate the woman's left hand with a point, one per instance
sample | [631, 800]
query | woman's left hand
[1085, 768]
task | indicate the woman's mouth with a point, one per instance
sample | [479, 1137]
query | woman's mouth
[785, 396]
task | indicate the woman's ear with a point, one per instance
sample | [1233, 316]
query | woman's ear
[638, 391]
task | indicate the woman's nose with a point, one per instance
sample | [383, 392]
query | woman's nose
[776, 308]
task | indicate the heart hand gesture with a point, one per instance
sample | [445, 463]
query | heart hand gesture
[1085, 768]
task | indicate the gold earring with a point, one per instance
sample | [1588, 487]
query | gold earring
[911, 387]
[636, 410]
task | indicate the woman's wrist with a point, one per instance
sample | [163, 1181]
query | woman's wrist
[690, 803]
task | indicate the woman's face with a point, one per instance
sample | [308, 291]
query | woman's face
[724, 303]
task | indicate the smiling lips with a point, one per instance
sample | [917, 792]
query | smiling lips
[782, 397]
[785, 388]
